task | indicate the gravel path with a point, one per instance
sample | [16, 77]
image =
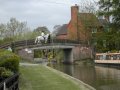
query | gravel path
[28, 64]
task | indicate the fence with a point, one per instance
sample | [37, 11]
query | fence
[32, 42]
[10, 83]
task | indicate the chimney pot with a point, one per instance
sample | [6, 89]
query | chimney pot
[74, 12]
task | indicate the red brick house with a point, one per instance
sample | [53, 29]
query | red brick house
[80, 26]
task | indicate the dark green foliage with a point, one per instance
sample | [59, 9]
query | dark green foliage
[38, 53]
[111, 8]
[49, 39]
[9, 60]
[6, 40]
[109, 40]
[42, 29]
[4, 73]
[2, 69]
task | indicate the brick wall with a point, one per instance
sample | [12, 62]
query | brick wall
[82, 52]
[62, 36]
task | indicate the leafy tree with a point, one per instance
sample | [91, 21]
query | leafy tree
[37, 32]
[111, 8]
[42, 29]
[109, 40]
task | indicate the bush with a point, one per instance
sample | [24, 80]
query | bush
[2, 69]
[4, 73]
[9, 60]
[38, 53]
[114, 51]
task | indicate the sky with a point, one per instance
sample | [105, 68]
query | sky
[39, 12]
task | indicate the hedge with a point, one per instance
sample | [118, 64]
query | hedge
[9, 60]
[4, 73]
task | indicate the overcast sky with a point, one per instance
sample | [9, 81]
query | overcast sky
[38, 12]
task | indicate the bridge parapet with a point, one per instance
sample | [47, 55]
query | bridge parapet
[54, 47]
[31, 42]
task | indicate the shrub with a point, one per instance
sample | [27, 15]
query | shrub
[38, 53]
[114, 51]
[2, 69]
[4, 73]
[9, 60]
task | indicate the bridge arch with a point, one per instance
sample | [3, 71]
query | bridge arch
[67, 50]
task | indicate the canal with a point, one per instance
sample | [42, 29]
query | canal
[101, 78]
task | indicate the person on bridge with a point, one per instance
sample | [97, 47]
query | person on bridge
[42, 34]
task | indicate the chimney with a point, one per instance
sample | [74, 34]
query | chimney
[74, 12]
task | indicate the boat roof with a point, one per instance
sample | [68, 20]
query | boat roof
[107, 53]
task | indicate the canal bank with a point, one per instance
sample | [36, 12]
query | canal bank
[82, 85]
[39, 77]
[101, 78]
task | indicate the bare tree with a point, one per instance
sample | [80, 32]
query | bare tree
[14, 29]
[12, 26]
[88, 6]
[55, 30]
[2, 31]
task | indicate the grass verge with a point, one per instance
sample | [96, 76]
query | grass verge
[41, 78]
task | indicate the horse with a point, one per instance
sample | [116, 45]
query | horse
[39, 39]
[42, 38]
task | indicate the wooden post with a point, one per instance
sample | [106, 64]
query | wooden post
[4, 86]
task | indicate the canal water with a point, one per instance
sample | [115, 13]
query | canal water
[101, 78]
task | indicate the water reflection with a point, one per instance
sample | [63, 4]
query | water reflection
[102, 78]
[107, 78]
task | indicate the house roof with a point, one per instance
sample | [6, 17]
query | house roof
[62, 30]
[89, 19]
